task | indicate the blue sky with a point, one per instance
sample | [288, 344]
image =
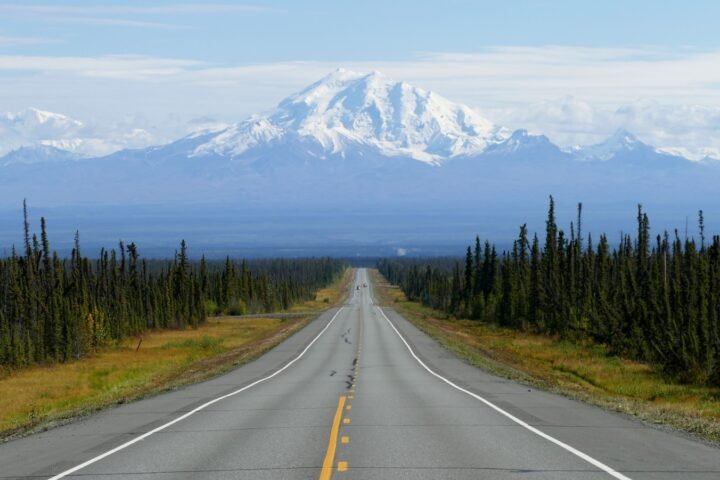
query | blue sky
[573, 70]
[234, 32]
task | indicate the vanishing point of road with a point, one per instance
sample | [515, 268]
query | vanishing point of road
[360, 393]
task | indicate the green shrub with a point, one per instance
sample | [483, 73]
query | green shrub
[236, 307]
[212, 308]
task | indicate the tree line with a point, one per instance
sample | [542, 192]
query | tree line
[54, 309]
[653, 299]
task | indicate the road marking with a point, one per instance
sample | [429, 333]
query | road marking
[534, 430]
[195, 410]
[342, 466]
[346, 421]
[344, 439]
[326, 471]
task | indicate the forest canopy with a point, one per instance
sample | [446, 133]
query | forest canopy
[55, 309]
[652, 299]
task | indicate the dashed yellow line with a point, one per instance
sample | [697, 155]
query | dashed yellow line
[342, 466]
[327, 467]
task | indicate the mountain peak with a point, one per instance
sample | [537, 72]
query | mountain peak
[338, 75]
[623, 137]
[35, 116]
[619, 143]
[38, 153]
[369, 110]
[521, 142]
[520, 133]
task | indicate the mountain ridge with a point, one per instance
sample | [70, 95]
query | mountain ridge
[347, 112]
[328, 145]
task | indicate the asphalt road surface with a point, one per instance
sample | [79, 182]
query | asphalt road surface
[358, 394]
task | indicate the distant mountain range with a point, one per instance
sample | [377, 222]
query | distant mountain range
[363, 143]
[342, 114]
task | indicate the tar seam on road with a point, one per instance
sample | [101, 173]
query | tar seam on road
[195, 410]
[534, 430]
[327, 468]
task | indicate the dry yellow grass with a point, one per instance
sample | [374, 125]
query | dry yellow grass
[38, 395]
[119, 373]
[584, 370]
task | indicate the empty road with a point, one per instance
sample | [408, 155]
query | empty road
[358, 394]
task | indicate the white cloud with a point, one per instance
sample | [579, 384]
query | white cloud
[574, 95]
[112, 66]
[702, 153]
[33, 126]
[690, 130]
[691, 127]
[567, 120]
[123, 15]
[12, 41]
[494, 77]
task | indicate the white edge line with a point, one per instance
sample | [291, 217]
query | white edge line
[534, 430]
[195, 410]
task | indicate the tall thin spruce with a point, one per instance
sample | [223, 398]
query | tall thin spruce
[658, 303]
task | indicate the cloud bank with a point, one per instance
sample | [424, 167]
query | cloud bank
[669, 98]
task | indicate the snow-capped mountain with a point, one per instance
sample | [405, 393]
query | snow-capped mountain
[37, 128]
[33, 126]
[345, 114]
[706, 154]
[38, 154]
[35, 123]
[625, 148]
[347, 110]
[524, 144]
[384, 156]
[621, 142]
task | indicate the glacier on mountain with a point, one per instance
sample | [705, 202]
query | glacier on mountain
[348, 109]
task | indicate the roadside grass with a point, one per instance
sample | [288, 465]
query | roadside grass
[328, 296]
[118, 373]
[40, 396]
[582, 370]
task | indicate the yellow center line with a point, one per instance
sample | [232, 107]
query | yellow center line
[327, 468]
[342, 466]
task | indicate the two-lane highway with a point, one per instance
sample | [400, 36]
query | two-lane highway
[358, 394]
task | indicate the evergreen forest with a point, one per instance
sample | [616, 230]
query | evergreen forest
[54, 309]
[655, 299]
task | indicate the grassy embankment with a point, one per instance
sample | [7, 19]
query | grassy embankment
[583, 371]
[39, 396]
